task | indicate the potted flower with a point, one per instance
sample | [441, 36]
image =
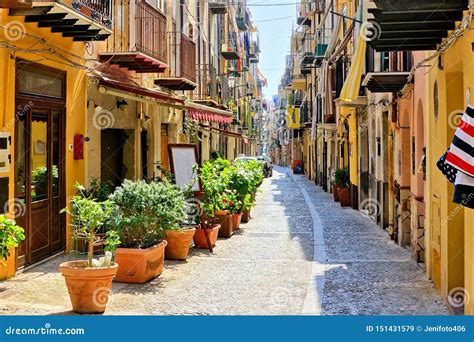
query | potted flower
[146, 211]
[89, 281]
[341, 178]
[10, 237]
[228, 206]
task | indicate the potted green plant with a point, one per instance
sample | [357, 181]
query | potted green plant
[254, 170]
[179, 234]
[229, 207]
[146, 211]
[89, 281]
[10, 237]
[341, 179]
[213, 184]
[240, 181]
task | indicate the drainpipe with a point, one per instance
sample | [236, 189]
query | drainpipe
[391, 179]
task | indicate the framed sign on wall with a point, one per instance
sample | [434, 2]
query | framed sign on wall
[183, 161]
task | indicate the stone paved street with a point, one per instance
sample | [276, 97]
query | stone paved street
[271, 266]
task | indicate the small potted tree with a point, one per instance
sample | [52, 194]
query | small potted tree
[89, 281]
[10, 237]
[341, 178]
[146, 210]
[212, 185]
[179, 234]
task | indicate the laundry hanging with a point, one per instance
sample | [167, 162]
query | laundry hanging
[457, 164]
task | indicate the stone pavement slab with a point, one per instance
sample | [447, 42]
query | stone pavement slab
[269, 267]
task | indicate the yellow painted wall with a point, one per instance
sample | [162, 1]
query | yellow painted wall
[76, 94]
[455, 231]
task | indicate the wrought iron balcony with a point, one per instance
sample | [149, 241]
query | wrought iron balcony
[144, 49]
[81, 20]
[185, 79]
[243, 19]
[407, 25]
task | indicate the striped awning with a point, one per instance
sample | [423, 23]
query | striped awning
[351, 88]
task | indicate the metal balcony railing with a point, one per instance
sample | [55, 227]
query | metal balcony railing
[188, 58]
[150, 30]
[98, 10]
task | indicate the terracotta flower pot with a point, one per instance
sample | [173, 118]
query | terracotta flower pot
[226, 220]
[335, 192]
[344, 197]
[137, 266]
[200, 238]
[179, 242]
[237, 220]
[88, 288]
[246, 215]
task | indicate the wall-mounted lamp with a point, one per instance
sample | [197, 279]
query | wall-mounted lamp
[122, 104]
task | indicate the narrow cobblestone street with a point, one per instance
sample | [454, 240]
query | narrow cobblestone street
[271, 266]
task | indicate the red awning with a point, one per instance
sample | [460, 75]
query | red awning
[208, 114]
[136, 89]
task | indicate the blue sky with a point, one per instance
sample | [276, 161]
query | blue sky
[274, 37]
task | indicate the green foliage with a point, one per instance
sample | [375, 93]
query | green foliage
[164, 174]
[146, 210]
[88, 217]
[230, 186]
[229, 200]
[213, 185]
[97, 190]
[341, 178]
[39, 178]
[10, 237]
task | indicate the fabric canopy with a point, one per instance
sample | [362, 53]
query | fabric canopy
[209, 114]
[351, 87]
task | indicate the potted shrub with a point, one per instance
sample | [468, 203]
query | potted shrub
[89, 281]
[240, 182]
[180, 236]
[213, 184]
[254, 171]
[10, 237]
[146, 210]
[341, 178]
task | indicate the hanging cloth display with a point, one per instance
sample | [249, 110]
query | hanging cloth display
[457, 164]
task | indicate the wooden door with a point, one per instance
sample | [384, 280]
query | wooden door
[111, 151]
[39, 191]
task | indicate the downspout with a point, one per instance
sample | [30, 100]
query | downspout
[391, 176]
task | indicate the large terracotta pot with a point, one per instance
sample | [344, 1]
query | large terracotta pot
[137, 266]
[200, 238]
[226, 220]
[246, 215]
[237, 220]
[88, 288]
[344, 197]
[179, 242]
[335, 192]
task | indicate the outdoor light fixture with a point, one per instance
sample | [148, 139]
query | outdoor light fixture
[122, 104]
